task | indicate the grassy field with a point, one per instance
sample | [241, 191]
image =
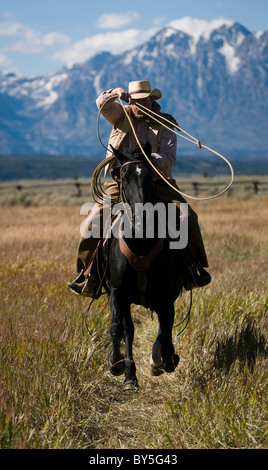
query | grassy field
[55, 387]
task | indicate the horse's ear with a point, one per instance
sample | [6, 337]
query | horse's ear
[148, 148]
[120, 156]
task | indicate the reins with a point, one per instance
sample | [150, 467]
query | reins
[96, 189]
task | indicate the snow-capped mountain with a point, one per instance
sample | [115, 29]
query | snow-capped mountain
[214, 83]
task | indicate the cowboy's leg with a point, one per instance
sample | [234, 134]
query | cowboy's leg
[93, 229]
[195, 248]
[194, 253]
[88, 243]
[85, 283]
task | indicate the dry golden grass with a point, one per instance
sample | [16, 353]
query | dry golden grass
[55, 389]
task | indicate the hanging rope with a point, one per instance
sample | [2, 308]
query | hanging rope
[98, 193]
[96, 188]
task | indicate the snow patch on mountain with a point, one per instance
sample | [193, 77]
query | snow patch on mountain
[259, 34]
[50, 94]
[232, 61]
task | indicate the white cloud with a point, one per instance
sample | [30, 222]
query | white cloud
[58, 46]
[159, 20]
[29, 40]
[7, 14]
[4, 61]
[115, 42]
[195, 27]
[55, 38]
[116, 20]
[11, 28]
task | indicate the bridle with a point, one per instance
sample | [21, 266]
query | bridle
[121, 190]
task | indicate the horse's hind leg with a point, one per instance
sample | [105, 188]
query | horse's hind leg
[116, 360]
[156, 363]
[163, 355]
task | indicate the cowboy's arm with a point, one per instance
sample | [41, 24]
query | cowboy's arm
[165, 158]
[112, 110]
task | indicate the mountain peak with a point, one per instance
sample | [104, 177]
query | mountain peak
[197, 28]
[208, 72]
[166, 32]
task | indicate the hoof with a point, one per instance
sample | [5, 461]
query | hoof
[156, 369]
[176, 360]
[171, 363]
[118, 367]
[131, 385]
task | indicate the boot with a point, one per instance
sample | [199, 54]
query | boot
[85, 285]
[197, 276]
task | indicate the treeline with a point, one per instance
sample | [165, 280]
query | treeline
[20, 167]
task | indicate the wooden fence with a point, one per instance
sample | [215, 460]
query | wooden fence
[255, 185]
[194, 187]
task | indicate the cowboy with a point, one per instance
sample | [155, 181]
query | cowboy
[164, 144]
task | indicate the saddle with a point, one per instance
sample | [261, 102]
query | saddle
[89, 283]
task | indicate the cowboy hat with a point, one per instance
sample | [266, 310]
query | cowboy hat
[142, 89]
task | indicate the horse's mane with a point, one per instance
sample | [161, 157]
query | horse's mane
[131, 154]
[135, 153]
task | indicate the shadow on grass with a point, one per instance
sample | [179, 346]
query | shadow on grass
[244, 346]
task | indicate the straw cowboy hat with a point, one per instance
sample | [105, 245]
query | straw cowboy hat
[142, 89]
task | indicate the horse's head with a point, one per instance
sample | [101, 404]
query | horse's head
[134, 175]
[135, 178]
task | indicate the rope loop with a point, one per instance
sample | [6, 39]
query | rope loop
[96, 188]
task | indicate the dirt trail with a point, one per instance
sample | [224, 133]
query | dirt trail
[135, 418]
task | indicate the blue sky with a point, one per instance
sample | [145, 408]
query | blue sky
[39, 37]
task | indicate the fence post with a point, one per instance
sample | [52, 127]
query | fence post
[78, 189]
[195, 185]
[256, 186]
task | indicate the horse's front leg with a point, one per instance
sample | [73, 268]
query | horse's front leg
[163, 355]
[120, 326]
[116, 360]
[131, 382]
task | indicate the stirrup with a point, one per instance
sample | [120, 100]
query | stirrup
[89, 288]
[83, 285]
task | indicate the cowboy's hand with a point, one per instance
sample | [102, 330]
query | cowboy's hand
[123, 94]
